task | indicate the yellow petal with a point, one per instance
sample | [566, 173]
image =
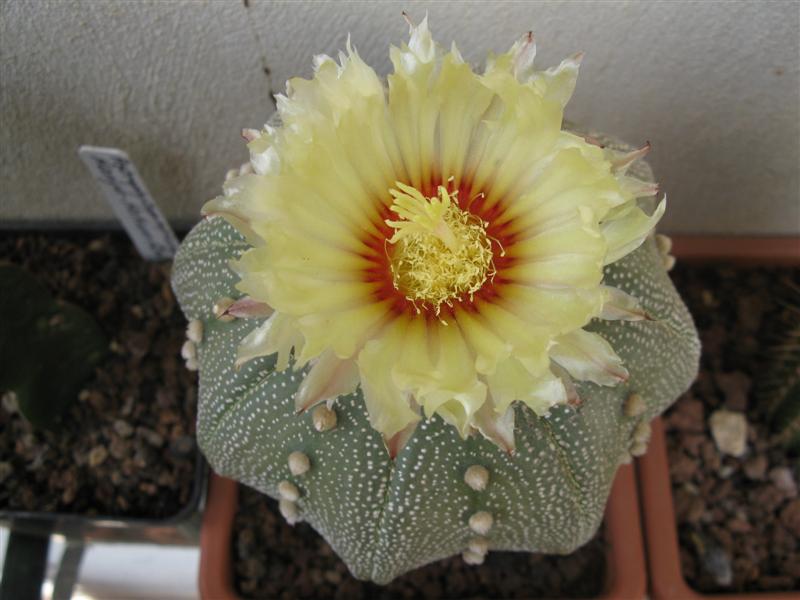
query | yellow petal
[587, 356]
[387, 404]
[277, 334]
[329, 378]
[498, 428]
[512, 381]
[624, 235]
[619, 306]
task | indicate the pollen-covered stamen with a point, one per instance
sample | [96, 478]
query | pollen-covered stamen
[442, 253]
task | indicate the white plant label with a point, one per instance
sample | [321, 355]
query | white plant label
[131, 202]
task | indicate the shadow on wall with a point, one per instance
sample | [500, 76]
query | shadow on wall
[166, 172]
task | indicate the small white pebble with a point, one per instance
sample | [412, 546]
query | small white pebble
[642, 432]
[324, 418]
[783, 479]
[188, 350]
[478, 545]
[288, 491]
[481, 522]
[729, 430]
[477, 477]
[194, 331]
[472, 558]
[638, 448]
[10, 403]
[289, 511]
[191, 364]
[298, 463]
[634, 405]
[219, 308]
[97, 456]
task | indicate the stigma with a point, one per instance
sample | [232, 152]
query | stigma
[440, 253]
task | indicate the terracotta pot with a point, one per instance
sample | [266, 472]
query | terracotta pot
[626, 578]
[661, 536]
[778, 251]
[214, 579]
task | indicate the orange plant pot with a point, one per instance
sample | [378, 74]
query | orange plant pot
[660, 530]
[625, 580]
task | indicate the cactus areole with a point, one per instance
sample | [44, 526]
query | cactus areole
[468, 293]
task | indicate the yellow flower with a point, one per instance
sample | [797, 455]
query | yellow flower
[438, 240]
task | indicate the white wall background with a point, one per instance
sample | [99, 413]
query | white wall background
[715, 86]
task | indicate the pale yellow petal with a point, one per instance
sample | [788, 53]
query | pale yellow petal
[620, 306]
[278, 334]
[624, 235]
[486, 345]
[588, 357]
[497, 428]
[387, 404]
[512, 381]
[329, 378]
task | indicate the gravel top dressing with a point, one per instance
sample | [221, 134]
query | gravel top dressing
[126, 446]
[735, 487]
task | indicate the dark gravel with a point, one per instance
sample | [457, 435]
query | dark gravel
[126, 446]
[273, 560]
[738, 518]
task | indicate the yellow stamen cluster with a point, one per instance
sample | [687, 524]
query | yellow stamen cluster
[441, 253]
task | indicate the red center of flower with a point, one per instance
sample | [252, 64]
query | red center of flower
[473, 207]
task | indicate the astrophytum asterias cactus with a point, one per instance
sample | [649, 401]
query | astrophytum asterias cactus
[427, 318]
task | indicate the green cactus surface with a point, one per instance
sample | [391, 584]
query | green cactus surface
[47, 348]
[384, 517]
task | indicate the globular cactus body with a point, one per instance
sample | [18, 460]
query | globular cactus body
[47, 348]
[384, 517]
[434, 269]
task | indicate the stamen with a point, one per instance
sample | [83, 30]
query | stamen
[442, 253]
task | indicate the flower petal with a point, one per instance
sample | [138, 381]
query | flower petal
[398, 441]
[387, 403]
[329, 378]
[558, 83]
[619, 306]
[248, 308]
[587, 356]
[496, 427]
[437, 367]
[626, 234]
[278, 334]
[512, 381]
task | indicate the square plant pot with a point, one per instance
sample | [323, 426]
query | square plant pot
[175, 520]
[139, 388]
[625, 563]
[666, 579]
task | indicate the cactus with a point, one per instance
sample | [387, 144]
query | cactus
[47, 348]
[386, 517]
[403, 464]
[779, 387]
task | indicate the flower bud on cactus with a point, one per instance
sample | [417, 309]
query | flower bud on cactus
[472, 289]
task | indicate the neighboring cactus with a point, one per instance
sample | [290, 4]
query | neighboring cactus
[47, 348]
[779, 386]
[459, 482]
